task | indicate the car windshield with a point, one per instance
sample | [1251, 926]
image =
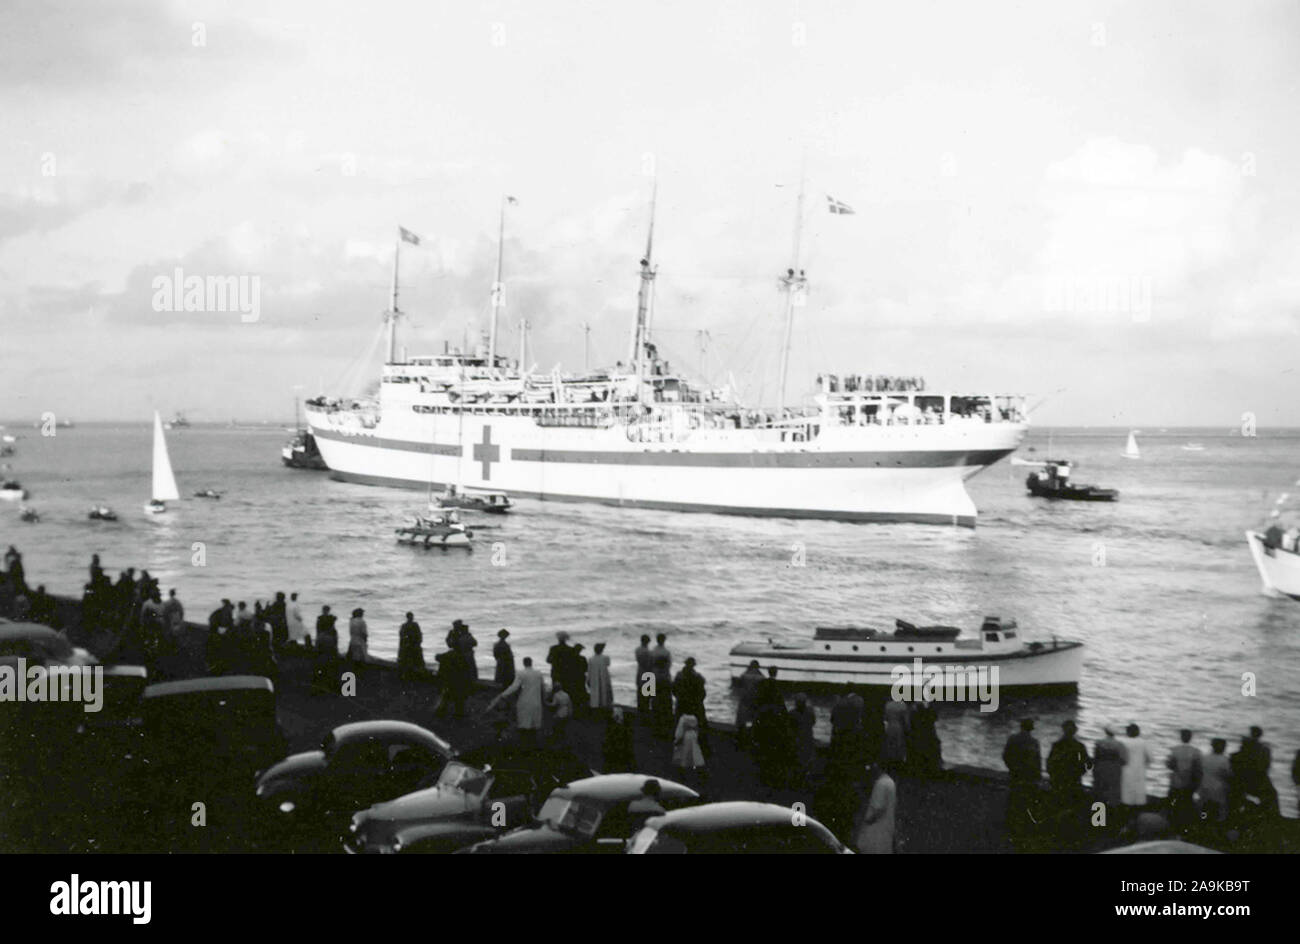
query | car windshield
[570, 815]
[462, 777]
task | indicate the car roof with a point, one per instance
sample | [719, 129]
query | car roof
[11, 631]
[215, 683]
[379, 730]
[616, 788]
[730, 815]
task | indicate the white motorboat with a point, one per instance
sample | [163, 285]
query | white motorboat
[1277, 557]
[12, 491]
[853, 657]
[164, 481]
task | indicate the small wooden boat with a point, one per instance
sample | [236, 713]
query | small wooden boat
[435, 530]
[1053, 481]
[207, 493]
[29, 515]
[102, 513]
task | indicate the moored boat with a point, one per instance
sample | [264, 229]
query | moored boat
[1053, 481]
[852, 657]
[497, 503]
[102, 513]
[435, 530]
[29, 514]
[207, 493]
[301, 453]
[11, 490]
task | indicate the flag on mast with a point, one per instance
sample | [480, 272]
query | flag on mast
[408, 236]
[838, 207]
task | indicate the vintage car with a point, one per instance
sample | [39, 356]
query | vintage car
[221, 725]
[39, 644]
[738, 827]
[477, 796]
[589, 815]
[358, 764]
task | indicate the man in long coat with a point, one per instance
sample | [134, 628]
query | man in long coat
[528, 685]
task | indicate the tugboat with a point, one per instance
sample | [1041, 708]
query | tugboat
[1053, 481]
[10, 490]
[435, 530]
[497, 503]
[102, 513]
[852, 657]
[301, 453]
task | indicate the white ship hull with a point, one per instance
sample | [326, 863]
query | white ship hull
[1047, 669]
[882, 474]
[1279, 570]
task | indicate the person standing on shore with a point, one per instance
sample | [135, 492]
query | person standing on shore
[562, 704]
[327, 651]
[924, 747]
[1133, 781]
[689, 689]
[1185, 772]
[1024, 760]
[644, 677]
[528, 686]
[173, 613]
[559, 657]
[410, 649]
[577, 687]
[463, 642]
[358, 636]
[221, 623]
[297, 628]
[277, 617]
[661, 664]
[746, 705]
[1216, 781]
[874, 834]
[505, 659]
[599, 686]
[1109, 758]
[898, 727]
[1067, 762]
[688, 759]
[1250, 767]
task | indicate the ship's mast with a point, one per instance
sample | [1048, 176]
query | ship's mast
[640, 333]
[498, 286]
[793, 284]
[393, 310]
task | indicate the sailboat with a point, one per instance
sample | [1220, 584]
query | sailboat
[164, 482]
[1131, 449]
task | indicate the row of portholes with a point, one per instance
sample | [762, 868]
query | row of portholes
[883, 649]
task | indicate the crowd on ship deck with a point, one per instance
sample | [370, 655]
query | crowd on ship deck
[854, 783]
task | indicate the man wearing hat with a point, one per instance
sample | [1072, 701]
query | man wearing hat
[1024, 759]
[505, 657]
[561, 659]
[1067, 762]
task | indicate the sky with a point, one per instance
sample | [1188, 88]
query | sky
[1093, 204]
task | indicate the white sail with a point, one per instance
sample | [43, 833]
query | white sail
[1131, 450]
[164, 482]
